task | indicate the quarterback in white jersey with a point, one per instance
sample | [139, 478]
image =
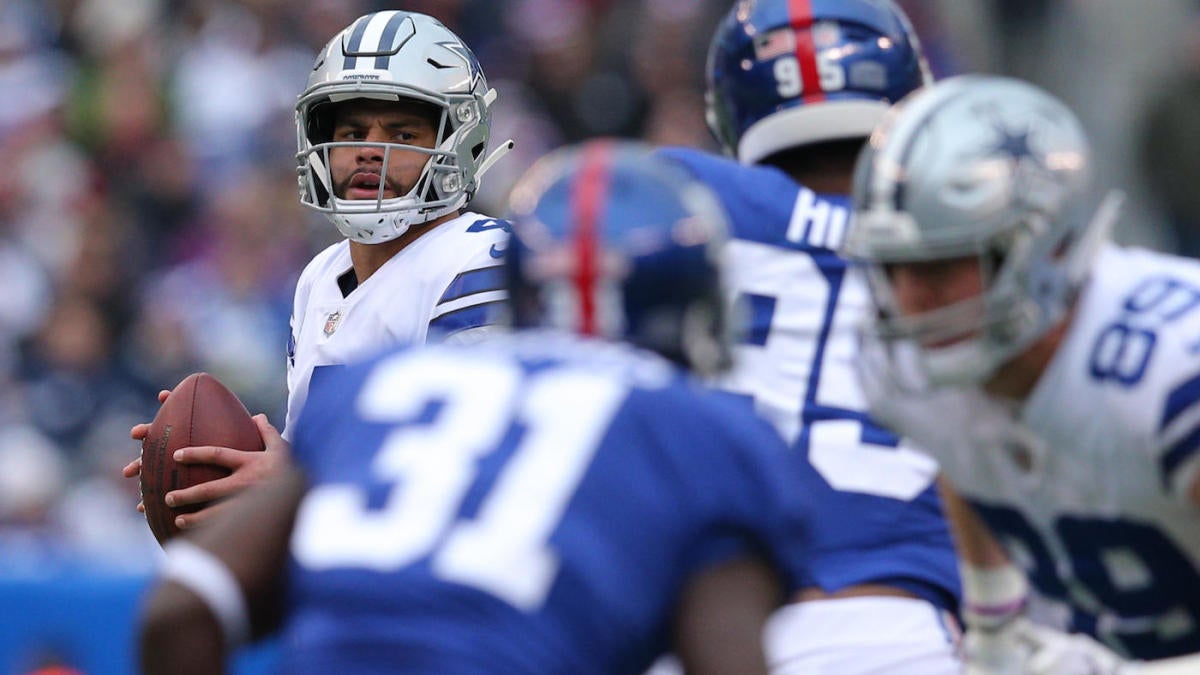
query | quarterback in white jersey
[1055, 377]
[392, 132]
[443, 286]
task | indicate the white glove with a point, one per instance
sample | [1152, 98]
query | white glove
[1021, 647]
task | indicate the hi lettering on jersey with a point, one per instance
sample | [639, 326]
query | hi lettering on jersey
[816, 222]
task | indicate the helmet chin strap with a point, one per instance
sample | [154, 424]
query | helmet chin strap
[494, 157]
[488, 99]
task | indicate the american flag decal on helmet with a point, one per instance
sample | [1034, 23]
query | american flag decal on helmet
[773, 44]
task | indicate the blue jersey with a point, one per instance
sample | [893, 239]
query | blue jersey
[880, 517]
[532, 504]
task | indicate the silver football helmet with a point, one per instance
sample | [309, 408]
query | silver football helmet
[984, 167]
[390, 56]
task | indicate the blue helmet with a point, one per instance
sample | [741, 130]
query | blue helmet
[610, 240]
[786, 73]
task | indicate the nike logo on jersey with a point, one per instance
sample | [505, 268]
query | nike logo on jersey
[497, 252]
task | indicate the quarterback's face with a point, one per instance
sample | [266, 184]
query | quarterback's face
[922, 287]
[358, 171]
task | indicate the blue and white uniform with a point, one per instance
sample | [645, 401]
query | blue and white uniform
[530, 504]
[445, 285]
[1086, 482]
[881, 517]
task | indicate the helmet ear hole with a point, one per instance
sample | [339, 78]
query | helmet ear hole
[319, 125]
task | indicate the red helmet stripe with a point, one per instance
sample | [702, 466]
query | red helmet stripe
[589, 195]
[801, 14]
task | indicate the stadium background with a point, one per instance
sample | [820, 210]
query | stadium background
[149, 225]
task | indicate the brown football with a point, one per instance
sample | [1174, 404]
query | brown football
[199, 411]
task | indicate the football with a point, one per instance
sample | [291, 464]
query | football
[199, 411]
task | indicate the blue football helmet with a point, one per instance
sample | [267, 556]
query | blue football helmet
[610, 240]
[787, 73]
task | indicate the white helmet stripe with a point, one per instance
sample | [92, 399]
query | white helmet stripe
[373, 37]
[387, 39]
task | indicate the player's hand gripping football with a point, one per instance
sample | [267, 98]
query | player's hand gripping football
[247, 469]
[138, 433]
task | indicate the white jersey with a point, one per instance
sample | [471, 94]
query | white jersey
[444, 286]
[1086, 481]
[878, 516]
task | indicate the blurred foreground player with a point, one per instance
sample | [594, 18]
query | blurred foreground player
[564, 499]
[1055, 376]
[794, 90]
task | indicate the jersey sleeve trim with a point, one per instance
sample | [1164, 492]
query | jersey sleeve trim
[472, 282]
[1176, 455]
[473, 316]
[1180, 399]
[1184, 398]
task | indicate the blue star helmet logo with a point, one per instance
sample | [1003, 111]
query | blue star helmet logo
[1034, 183]
[472, 63]
[1015, 144]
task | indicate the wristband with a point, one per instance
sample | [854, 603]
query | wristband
[211, 580]
[992, 595]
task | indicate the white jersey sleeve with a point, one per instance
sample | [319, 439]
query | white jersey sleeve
[446, 285]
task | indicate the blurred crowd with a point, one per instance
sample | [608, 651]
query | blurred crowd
[149, 224]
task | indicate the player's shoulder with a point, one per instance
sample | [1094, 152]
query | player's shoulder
[1140, 296]
[1137, 337]
[740, 187]
[470, 225]
[467, 242]
[765, 205]
[331, 261]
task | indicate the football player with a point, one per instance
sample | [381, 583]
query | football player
[1054, 375]
[794, 89]
[565, 499]
[392, 132]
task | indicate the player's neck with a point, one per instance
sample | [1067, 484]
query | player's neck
[1016, 379]
[825, 168]
[368, 258]
[825, 182]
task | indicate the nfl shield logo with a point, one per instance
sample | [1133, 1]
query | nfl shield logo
[331, 322]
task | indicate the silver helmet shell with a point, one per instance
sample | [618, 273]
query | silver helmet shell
[389, 56]
[985, 167]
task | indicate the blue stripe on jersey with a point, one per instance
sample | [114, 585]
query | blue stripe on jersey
[1176, 455]
[761, 309]
[474, 316]
[385, 40]
[474, 281]
[355, 43]
[1181, 398]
